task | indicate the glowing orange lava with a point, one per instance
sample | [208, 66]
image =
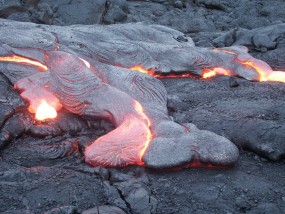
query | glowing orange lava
[142, 70]
[138, 107]
[19, 59]
[162, 75]
[45, 111]
[264, 75]
[208, 73]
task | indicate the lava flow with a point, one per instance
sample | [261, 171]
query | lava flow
[207, 73]
[162, 75]
[43, 110]
[125, 145]
[23, 60]
[274, 76]
[263, 73]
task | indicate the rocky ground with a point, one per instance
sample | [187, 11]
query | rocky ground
[248, 113]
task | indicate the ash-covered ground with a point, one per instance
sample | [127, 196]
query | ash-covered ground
[251, 114]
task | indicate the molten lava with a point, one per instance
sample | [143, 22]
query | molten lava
[142, 70]
[45, 111]
[23, 60]
[128, 143]
[273, 76]
[162, 75]
[262, 71]
[208, 73]
[125, 145]
[138, 107]
[224, 51]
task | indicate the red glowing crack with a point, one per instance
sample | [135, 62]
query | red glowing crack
[23, 60]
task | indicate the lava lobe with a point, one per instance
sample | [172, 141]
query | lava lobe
[133, 100]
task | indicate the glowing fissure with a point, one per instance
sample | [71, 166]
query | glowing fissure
[224, 51]
[142, 70]
[139, 109]
[275, 76]
[206, 73]
[161, 75]
[23, 60]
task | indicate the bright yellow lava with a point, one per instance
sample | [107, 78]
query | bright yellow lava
[45, 111]
[207, 73]
[19, 59]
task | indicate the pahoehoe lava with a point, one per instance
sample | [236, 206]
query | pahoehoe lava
[42, 143]
[95, 78]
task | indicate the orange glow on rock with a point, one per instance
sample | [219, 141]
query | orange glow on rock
[23, 60]
[224, 51]
[276, 76]
[208, 73]
[138, 107]
[264, 75]
[125, 145]
[45, 111]
[259, 70]
[162, 75]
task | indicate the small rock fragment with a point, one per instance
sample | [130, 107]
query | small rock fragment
[178, 4]
[233, 82]
[182, 39]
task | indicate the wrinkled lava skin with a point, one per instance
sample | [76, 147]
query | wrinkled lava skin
[135, 102]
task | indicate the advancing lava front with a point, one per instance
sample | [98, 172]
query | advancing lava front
[111, 73]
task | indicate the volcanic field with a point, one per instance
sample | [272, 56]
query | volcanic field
[137, 107]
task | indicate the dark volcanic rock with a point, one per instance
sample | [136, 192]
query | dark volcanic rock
[268, 37]
[42, 188]
[202, 15]
[10, 100]
[250, 115]
[106, 209]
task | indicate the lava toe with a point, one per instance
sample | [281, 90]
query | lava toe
[212, 148]
[121, 147]
[188, 145]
